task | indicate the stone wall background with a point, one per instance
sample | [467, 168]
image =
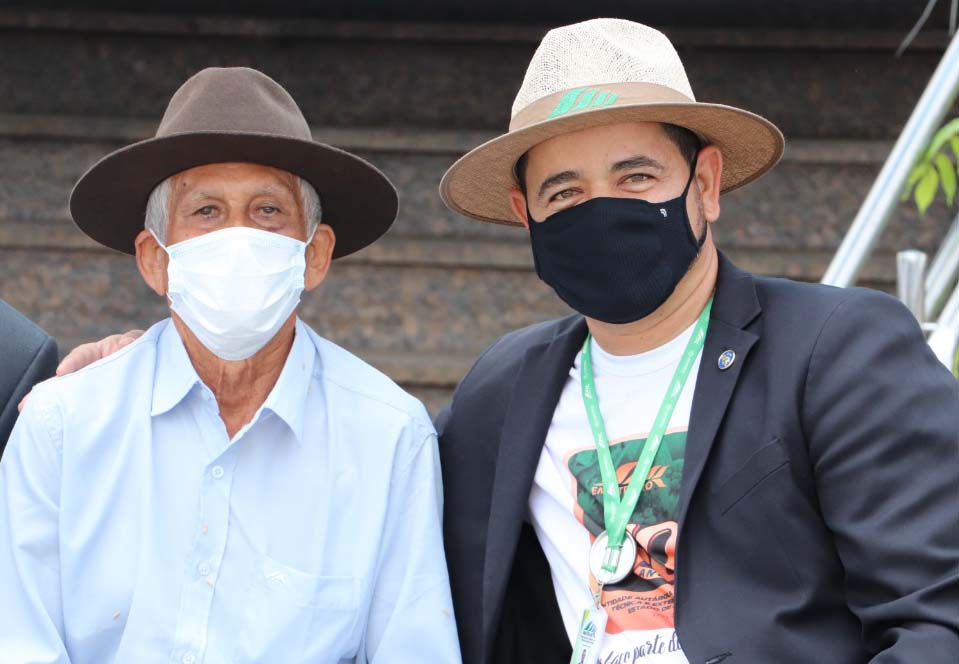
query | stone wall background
[411, 98]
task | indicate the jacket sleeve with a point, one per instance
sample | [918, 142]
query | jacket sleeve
[31, 628]
[39, 367]
[443, 419]
[881, 416]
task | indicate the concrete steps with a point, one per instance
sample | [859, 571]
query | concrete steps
[411, 98]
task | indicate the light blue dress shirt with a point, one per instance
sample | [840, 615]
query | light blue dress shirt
[133, 530]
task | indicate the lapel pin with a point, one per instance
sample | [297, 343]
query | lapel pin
[726, 359]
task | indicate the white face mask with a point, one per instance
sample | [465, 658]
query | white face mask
[235, 287]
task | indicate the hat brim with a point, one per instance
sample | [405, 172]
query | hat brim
[479, 183]
[108, 203]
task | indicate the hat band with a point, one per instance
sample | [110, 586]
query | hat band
[584, 99]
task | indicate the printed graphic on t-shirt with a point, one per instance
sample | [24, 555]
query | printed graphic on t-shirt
[644, 599]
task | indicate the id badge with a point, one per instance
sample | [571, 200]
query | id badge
[589, 636]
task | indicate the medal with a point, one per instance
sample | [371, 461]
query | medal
[622, 560]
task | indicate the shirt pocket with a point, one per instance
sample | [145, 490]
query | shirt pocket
[296, 616]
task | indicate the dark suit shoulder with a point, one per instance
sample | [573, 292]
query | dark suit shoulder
[18, 334]
[809, 306]
[503, 357]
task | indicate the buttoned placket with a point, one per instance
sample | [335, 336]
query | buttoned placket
[209, 542]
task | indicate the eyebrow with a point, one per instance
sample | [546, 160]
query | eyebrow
[268, 190]
[555, 179]
[273, 190]
[197, 195]
[638, 161]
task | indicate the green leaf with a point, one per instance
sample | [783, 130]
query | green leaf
[926, 190]
[917, 172]
[947, 176]
[943, 136]
[955, 146]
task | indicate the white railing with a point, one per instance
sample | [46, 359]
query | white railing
[932, 295]
[942, 272]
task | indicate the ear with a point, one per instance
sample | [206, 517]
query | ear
[709, 175]
[517, 201]
[319, 256]
[152, 261]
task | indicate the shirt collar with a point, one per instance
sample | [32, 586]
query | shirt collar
[175, 377]
[287, 399]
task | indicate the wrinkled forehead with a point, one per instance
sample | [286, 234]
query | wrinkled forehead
[234, 178]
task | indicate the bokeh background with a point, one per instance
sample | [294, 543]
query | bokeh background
[410, 87]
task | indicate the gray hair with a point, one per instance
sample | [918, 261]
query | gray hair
[158, 208]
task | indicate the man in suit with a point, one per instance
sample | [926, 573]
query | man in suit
[701, 465]
[27, 355]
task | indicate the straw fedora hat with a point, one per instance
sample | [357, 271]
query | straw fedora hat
[603, 72]
[232, 115]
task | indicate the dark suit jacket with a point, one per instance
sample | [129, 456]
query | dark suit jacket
[27, 356]
[819, 505]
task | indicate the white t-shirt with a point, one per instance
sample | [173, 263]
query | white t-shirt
[566, 505]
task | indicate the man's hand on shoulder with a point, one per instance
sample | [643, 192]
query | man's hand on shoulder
[86, 354]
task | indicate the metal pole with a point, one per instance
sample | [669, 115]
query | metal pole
[882, 198]
[942, 271]
[911, 273]
[945, 338]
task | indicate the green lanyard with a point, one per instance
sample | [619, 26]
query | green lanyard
[617, 512]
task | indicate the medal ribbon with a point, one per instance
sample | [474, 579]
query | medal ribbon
[616, 511]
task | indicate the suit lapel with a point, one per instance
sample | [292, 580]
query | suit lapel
[533, 400]
[735, 305]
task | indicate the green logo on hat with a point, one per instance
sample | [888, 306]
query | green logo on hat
[579, 98]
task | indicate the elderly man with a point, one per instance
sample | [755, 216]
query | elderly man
[230, 487]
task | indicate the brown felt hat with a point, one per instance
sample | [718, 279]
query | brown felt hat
[232, 115]
[596, 73]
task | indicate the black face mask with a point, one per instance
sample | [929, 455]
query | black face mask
[616, 259]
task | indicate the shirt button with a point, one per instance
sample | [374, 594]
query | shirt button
[217, 472]
[189, 658]
[203, 569]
